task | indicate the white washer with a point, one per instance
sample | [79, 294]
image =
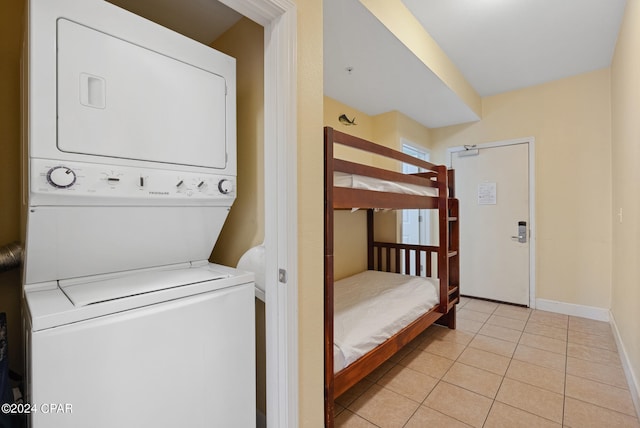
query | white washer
[178, 356]
[130, 171]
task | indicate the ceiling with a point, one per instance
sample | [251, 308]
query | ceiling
[497, 45]
[501, 45]
[201, 20]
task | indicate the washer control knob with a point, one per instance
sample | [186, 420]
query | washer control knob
[61, 177]
[225, 186]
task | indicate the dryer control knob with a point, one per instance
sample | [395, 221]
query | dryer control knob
[61, 177]
[225, 186]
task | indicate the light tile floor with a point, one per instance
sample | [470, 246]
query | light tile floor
[504, 366]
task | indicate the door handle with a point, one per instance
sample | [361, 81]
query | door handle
[522, 232]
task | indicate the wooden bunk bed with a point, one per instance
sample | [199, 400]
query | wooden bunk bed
[390, 190]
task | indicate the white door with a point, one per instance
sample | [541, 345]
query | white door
[492, 184]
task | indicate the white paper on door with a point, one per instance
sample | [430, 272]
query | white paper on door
[487, 194]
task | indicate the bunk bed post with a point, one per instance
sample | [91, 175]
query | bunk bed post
[451, 182]
[328, 278]
[443, 232]
[370, 256]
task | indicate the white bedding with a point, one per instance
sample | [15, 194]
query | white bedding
[372, 306]
[341, 179]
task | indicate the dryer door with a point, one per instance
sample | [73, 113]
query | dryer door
[121, 100]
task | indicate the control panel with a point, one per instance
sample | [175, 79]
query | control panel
[63, 181]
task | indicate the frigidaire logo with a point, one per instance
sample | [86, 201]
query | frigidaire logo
[158, 193]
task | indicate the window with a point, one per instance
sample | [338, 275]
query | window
[416, 224]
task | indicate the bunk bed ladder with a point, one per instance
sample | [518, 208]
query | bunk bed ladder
[454, 253]
[449, 244]
[454, 241]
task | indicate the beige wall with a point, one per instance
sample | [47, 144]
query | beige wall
[387, 128]
[10, 46]
[625, 95]
[350, 237]
[332, 109]
[244, 227]
[570, 121]
[11, 23]
[310, 213]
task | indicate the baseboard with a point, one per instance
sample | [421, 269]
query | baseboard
[599, 314]
[632, 379]
[591, 312]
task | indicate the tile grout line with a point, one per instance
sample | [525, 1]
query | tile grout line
[505, 372]
[421, 403]
[528, 319]
[456, 360]
[526, 383]
[566, 368]
[566, 379]
[498, 390]
[474, 334]
[440, 380]
[466, 346]
[508, 366]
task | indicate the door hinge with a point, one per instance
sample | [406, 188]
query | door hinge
[282, 276]
[420, 219]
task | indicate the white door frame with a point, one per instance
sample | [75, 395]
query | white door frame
[530, 142]
[278, 17]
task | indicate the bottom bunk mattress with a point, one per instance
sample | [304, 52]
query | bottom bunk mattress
[372, 306]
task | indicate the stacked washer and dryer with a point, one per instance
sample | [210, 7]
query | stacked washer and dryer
[130, 171]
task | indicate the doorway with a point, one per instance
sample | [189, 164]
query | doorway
[278, 17]
[494, 183]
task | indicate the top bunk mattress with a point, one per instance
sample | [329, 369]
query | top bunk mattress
[362, 182]
[372, 306]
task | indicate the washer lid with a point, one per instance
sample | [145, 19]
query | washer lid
[103, 290]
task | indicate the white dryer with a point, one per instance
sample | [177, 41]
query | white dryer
[130, 171]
